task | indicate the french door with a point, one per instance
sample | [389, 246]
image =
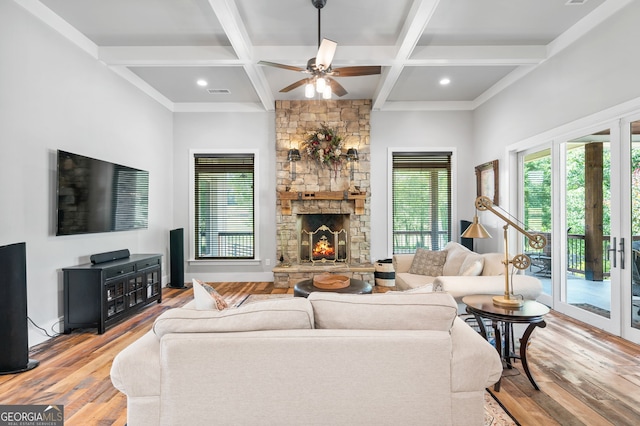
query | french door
[582, 192]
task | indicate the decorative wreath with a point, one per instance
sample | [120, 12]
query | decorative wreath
[324, 146]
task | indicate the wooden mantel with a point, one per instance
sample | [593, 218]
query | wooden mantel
[287, 196]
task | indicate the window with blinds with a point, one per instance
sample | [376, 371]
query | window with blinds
[224, 206]
[421, 190]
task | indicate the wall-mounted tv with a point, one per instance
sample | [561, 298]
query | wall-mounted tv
[99, 196]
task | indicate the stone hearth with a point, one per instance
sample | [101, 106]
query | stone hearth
[320, 190]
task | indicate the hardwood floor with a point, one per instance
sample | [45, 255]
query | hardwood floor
[586, 376]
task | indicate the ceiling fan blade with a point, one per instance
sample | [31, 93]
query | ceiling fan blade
[286, 67]
[294, 85]
[356, 71]
[336, 87]
[325, 53]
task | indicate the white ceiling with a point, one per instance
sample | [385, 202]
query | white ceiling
[164, 46]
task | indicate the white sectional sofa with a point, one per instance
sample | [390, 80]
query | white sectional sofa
[331, 359]
[465, 272]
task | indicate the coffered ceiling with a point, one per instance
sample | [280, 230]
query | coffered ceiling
[164, 46]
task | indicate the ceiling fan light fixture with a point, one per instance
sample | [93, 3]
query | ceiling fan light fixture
[321, 83]
[309, 90]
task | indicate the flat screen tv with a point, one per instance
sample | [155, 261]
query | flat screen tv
[99, 196]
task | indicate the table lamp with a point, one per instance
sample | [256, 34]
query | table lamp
[519, 261]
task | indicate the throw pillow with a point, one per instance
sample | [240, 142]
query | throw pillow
[427, 262]
[472, 266]
[206, 297]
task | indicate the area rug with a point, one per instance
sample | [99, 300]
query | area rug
[494, 413]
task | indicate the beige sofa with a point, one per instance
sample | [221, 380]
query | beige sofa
[465, 272]
[331, 359]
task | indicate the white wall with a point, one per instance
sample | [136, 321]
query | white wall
[228, 130]
[597, 73]
[55, 96]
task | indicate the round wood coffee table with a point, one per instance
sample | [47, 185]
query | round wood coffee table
[304, 287]
[531, 312]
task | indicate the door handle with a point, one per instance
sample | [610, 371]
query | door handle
[621, 251]
[610, 250]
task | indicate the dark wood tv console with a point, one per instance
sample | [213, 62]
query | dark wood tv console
[98, 295]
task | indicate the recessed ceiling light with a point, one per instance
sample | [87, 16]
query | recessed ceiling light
[444, 81]
[202, 82]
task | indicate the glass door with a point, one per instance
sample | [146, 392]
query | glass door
[588, 217]
[583, 193]
[630, 204]
[536, 172]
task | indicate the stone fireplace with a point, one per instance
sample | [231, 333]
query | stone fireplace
[336, 198]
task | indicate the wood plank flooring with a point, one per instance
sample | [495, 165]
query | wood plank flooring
[586, 376]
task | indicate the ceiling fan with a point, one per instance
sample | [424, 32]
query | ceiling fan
[320, 70]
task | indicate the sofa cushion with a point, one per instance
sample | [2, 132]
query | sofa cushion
[472, 265]
[405, 280]
[493, 264]
[206, 297]
[402, 262]
[456, 255]
[277, 314]
[427, 262]
[384, 311]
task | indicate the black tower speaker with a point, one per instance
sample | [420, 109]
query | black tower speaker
[467, 242]
[176, 258]
[14, 357]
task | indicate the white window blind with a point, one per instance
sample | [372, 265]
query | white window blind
[421, 200]
[224, 206]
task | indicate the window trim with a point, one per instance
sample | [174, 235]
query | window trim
[455, 231]
[192, 210]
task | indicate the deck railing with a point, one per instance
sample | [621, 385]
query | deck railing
[576, 251]
[409, 241]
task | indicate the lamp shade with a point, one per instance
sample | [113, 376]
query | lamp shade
[293, 155]
[352, 154]
[476, 230]
[309, 90]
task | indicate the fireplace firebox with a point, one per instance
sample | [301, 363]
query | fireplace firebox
[323, 238]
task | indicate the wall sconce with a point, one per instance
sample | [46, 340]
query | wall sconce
[352, 158]
[293, 155]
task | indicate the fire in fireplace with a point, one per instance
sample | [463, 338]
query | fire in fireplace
[323, 248]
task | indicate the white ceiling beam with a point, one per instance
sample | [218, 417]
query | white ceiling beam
[417, 20]
[477, 55]
[169, 56]
[218, 107]
[346, 55]
[229, 17]
[428, 106]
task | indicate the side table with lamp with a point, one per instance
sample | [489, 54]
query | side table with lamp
[507, 309]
